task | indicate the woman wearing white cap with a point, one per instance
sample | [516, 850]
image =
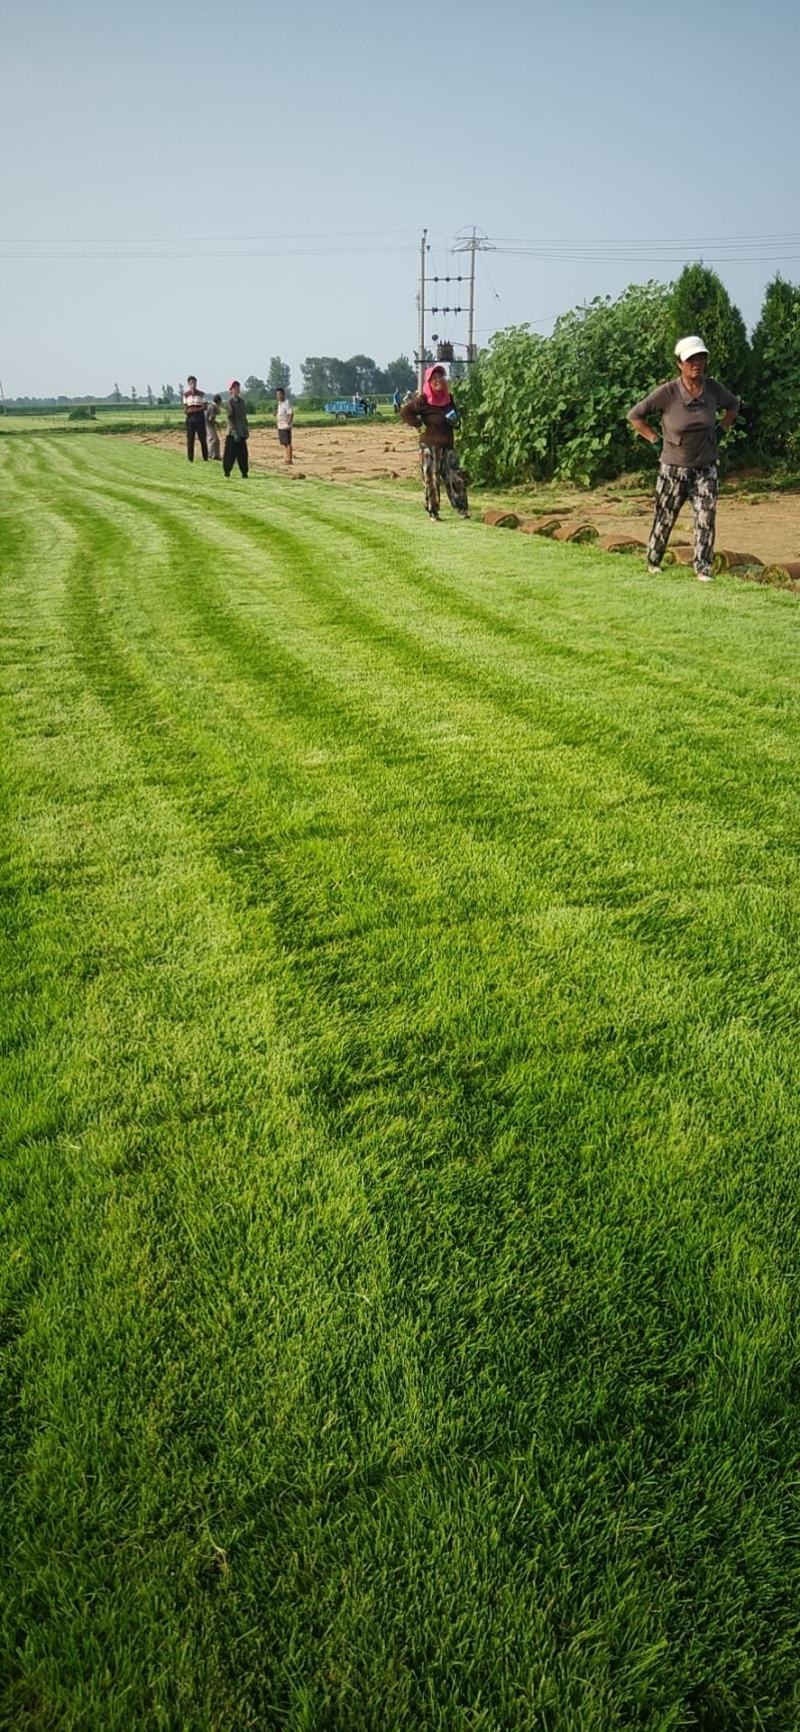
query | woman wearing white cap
[689, 454]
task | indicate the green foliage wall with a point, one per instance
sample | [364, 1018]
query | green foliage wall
[538, 407]
[701, 305]
[541, 408]
[775, 388]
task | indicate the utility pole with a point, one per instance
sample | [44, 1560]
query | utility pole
[471, 315]
[472, 244]
[421, 306]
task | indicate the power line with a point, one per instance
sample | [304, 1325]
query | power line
[200, 240]
[753, 251]
[718, 249]
[495, 291]
[211, 252]
[651, 240]
[538, 242]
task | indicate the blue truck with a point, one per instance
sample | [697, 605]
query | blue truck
[350, 408]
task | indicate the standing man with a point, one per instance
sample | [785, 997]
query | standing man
[284, 417]
[194, 408]
[212, 411]
[238, 432]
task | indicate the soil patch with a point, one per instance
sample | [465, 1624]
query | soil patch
[379, 452]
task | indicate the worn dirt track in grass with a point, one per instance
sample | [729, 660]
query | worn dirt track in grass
[381, 452]
[767, 525]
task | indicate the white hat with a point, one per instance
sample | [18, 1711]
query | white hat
[689, 346]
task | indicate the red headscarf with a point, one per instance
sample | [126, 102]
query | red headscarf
[439, 398]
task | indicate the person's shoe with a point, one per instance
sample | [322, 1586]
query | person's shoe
[705, 576]
[654, 570]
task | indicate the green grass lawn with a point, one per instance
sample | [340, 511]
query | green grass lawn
[402, 1085]
[143, 418]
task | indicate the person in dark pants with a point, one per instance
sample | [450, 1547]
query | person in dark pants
[238, 432]
[194, 408]
[285, 419]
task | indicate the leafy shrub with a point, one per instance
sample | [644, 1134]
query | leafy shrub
[775, 388]
[84, 412]
[701, 304]
[541, 407]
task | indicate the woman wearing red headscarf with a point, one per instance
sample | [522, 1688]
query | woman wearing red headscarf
[434, 413]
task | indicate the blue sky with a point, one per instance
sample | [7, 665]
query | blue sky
[196, 187]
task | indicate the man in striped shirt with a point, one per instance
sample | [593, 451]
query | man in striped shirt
[194, 408]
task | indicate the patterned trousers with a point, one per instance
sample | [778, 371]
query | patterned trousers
[439, 464]
[673, 487]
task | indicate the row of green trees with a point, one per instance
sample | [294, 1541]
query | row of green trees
[324, 376]
[556, 407]
[327, 376]
[278, 377]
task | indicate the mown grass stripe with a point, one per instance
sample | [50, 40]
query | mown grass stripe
[693, 759]
[751, 863]
[572, 650]
[708, 746]
[468, 1397]
[149, 1151]
[646, 923]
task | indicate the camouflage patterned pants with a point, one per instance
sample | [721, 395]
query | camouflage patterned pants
[439, 464]
[673, 487]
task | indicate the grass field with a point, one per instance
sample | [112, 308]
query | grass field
[403, 1090]
[141, 418]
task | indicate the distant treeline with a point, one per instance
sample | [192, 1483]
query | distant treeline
[324, 376]
[556, 407]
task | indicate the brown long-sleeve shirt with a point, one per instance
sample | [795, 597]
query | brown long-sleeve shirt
[430, 419]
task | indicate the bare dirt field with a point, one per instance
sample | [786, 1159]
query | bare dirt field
[762, 523]
[380, 452]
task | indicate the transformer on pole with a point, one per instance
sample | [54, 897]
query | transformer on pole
[472, 244]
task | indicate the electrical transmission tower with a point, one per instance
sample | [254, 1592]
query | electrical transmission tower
[477, 242]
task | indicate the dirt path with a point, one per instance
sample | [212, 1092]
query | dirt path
[381, 452]
[765, 524]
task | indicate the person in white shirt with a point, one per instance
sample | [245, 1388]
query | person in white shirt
[284, 417]
[194, 408]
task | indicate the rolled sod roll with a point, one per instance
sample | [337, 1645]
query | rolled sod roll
[670, 555]
[501, 519]
[726, 560]
[578, 533]
[621, 544]
[540, 525]
[787, 571]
